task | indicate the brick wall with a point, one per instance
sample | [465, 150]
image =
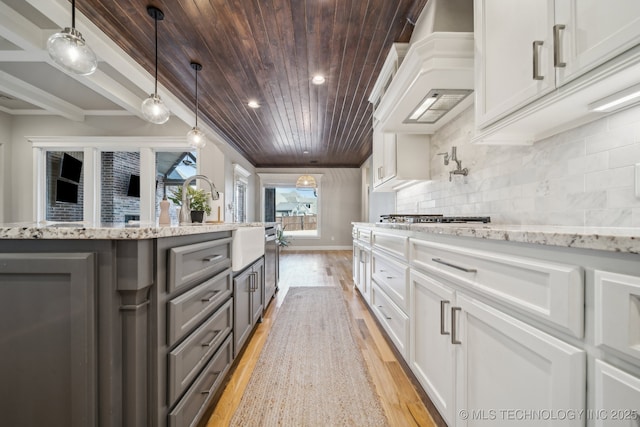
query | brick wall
[117, 168]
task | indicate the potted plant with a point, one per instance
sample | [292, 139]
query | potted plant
[281, 239]
[197, 202]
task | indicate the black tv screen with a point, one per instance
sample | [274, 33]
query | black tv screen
[70, 168]
[66, 192]
[134, 186]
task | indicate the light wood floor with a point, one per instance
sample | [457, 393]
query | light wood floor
[399, 398]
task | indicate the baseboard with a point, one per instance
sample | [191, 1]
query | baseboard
[316, 248]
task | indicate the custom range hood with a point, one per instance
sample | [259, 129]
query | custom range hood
[425, 83]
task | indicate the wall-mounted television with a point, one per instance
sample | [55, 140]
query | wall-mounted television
[134, 186]
[66, 192]
[70, 168]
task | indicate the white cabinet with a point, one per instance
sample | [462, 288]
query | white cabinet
[540, 63]
[503, 363]
[432, 356]
[398, 158]
[509, 35]
[591, 32]
[364, 275]
[617, 313]
[617, 396]
[466, 354]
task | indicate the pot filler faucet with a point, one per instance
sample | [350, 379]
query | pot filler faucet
[185, 212]
[454, 156]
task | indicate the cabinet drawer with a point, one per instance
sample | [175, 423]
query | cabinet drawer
[550, 291]
[617, 312]
[186, 360]
[393, 278]
[186, 311]
[394, 321]
[391, 243]
[194, 403]
[192, 263]
[364, 235]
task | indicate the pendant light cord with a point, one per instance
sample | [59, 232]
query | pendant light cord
[196, 97]
[73, 13]
[155, 90]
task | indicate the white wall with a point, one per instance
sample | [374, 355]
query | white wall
[5, 165]
[340, 196]
[581, 177]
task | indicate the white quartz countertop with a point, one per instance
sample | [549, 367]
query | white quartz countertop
[617, 239]
[120, 231]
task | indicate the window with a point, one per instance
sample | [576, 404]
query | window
[241, 184]
[297, 209]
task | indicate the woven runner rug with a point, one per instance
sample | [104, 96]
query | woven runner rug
[310, 371]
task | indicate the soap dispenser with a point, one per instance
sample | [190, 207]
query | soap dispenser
[164, 209]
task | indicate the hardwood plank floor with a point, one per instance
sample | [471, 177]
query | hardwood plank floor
[400, 400]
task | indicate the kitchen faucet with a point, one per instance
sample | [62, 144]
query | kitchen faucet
[454, 156]
[185, 211]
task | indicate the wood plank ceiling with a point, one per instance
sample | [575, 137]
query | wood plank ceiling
[268, 51]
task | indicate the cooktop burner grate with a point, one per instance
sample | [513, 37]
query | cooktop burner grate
[436, 218]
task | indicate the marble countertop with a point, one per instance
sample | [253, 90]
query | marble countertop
[120, 231]
[616, 239]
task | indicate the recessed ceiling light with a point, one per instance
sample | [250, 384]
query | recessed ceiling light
[253, 104]
[318, 79]
[305, 152]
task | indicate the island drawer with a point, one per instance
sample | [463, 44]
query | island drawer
[194, 403]
[550, 291]
[187, 359]
[186, 311]
[192, 263]
[393, 278]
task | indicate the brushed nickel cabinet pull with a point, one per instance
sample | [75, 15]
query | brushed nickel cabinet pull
[210, 343]
[457, 267]
[536, 60]
[205, 392]
[442, 304]
[213, 295]
[454, 329]
[557, 54]
[212, 258]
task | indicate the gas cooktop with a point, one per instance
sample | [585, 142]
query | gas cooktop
[431, 218]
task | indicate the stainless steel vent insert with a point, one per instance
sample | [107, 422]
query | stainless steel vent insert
[436, 104]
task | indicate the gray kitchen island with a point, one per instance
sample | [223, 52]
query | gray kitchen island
[114, 325]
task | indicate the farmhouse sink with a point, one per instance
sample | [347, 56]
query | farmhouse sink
[246, 247]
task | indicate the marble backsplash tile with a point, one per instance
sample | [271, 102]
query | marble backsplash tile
[581, 177]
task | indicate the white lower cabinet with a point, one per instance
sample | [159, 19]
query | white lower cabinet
[364, 274]
[475, 360]
[432, 356]
[617, 397]
[505, 367]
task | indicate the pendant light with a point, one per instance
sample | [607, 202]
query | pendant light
[195, 137]
[153, 109]
[306, 181]
[69, 50]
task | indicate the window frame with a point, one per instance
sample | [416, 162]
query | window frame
[240, 177]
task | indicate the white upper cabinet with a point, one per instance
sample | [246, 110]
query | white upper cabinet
[591, 32]
[509, 36]
[539, 64]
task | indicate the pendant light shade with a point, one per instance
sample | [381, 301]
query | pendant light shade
[153, 108]
[69, 50]
[195, 137]
[306, 181]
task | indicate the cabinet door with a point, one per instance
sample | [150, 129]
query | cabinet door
[48, 339]
[242, 314]
[257, 295]
[389, 169]
[377, 162]
[356, 263]
[503, 363]
[432, 356]
[594, 32]
[617, 395]
[505, 34]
